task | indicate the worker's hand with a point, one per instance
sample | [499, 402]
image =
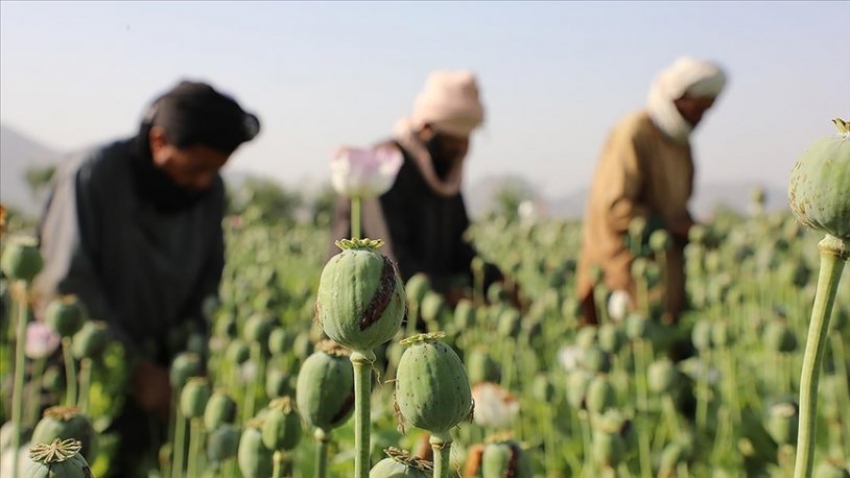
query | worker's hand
[515, 297]
[152, 388]
[455, 295]
[681, 228]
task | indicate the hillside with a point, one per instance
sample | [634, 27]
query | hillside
[18, 153]
[708, 196]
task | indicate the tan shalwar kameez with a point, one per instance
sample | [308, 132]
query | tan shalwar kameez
[640, 171]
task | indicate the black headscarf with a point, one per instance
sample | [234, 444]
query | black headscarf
[191, 114]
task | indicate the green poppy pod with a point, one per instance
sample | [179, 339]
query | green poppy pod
[432, 388]
[360, 301]
[65, 315]
[66, 422]
[817, 188]
[324, 391]
[400, 464]
[21, 259]
[58, 459]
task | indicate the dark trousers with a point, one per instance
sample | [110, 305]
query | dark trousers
[141, 435]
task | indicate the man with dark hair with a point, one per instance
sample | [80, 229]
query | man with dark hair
[133, 228]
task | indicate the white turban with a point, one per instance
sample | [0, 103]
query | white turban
[450, 103]
[686, 76]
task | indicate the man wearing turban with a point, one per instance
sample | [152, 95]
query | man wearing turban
[646, 170]
[423, 217]
[133, 228]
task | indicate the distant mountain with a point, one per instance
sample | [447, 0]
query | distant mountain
[18, 153]
[480, 197]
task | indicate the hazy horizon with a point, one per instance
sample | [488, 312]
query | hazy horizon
[554, 76]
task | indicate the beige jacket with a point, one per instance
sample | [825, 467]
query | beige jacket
[640, 171]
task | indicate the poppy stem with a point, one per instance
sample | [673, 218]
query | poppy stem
[355, 218]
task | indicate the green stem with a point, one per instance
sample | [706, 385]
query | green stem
[441, 444]
[644, 451]
[841, 369]
[412, 318]
[231, 468]
[641, 361]
[509, 362]
[586, 439]
[194, 447]
[70, 373]
[251, 389]
[703, 392]
[672, 417]
[18, 391]
[278, 462]
[732, 386]
[355, 218]
[643, 296]
[35, 390]
[85, 384]
[172, 430]
[178, 448]
[362, 363]
[600, 296]
[833, 253]
[322, 439]
[478, 292]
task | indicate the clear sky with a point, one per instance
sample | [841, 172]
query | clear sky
[554, 75]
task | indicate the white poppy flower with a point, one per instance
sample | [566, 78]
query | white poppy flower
[618, 305]
[364, 173]
[494, 406]
[570, 356]
[41, 341]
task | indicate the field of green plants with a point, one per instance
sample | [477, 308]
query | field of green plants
[712, 396]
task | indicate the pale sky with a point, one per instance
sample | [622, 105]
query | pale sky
[554, 76]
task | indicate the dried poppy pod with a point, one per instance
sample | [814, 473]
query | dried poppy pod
[360, 301]
[819, 187]
[59, 459]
